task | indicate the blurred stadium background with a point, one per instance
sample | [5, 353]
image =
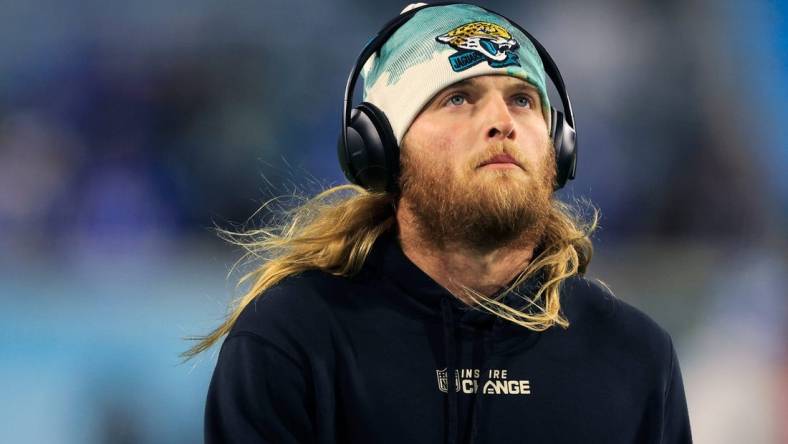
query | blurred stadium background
[128, 129]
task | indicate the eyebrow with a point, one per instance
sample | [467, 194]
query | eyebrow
[472, 83]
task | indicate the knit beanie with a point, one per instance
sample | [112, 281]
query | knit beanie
[442, 45]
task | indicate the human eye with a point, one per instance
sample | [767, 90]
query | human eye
[524, 101]
[455, 99]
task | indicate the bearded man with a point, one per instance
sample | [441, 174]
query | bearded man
[444, 301]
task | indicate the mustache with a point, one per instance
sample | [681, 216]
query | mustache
[504, 148]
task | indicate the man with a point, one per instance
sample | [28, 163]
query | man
[454, 309]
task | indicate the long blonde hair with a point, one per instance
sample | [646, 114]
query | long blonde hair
[335, 232]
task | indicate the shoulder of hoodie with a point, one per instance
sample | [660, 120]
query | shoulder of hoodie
[594, 310]
[295, 312]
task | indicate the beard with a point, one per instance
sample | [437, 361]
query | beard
[475, 209]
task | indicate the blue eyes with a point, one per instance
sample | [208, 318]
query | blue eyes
[523, 101]
[460, 99]
[453, 100]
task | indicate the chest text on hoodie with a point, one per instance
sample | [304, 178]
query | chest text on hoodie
[497, 383]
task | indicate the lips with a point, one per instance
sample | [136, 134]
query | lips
[500, 158]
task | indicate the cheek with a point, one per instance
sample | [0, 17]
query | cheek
[436, 145]
[535, 155]
[443, 143]
[536, 141]
[437, 137]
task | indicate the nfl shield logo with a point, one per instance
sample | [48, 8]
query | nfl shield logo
[443, 381]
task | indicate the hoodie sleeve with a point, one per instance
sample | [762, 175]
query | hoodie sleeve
[676, 425]
[258, 394]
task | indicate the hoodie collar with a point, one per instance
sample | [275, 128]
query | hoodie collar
[388, 257]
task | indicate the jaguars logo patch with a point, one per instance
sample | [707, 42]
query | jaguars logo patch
[479, 41]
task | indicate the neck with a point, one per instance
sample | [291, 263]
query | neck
[453, 264]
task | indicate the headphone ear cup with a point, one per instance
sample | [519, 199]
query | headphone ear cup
[371, 157]
[354, 142]
[565, 143]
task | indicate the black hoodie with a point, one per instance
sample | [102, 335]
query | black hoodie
[326, 359]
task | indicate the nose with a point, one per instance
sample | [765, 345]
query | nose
[500, 124]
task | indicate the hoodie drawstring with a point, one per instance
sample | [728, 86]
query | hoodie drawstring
[450, 342]
[483, 380]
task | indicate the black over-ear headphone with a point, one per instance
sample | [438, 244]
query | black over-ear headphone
[368, 150]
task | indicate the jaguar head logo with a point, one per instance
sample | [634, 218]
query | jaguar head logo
[480, 41]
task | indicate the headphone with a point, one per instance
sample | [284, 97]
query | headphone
[368, 150]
